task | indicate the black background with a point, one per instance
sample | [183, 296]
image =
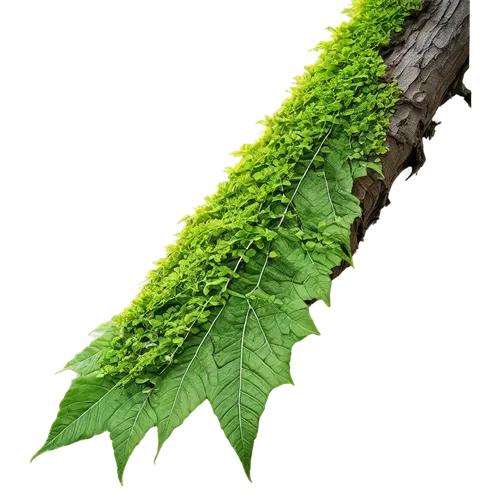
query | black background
[126, 113]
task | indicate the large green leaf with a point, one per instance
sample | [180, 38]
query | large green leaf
[219, 316]
[235, 363]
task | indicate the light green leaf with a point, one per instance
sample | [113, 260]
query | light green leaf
[377, 166]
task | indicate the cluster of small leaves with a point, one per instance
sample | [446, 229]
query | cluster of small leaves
[342, 89]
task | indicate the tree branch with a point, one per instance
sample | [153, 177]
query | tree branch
[428, 59]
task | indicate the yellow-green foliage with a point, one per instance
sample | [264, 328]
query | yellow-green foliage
[342, 89]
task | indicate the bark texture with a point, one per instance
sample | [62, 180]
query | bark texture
[428, 59]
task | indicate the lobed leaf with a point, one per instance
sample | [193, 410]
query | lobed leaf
[220, 315]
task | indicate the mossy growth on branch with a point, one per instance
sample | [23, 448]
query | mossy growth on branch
[342, 94]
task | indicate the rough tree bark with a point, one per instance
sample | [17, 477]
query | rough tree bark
[428, 59]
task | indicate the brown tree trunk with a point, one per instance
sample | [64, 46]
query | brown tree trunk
[428, 59]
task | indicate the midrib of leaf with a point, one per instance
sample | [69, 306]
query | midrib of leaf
[241, 370]
[303, 177]
[329, 195]
[132, 428]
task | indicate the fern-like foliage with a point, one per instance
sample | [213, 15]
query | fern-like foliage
[220, 314]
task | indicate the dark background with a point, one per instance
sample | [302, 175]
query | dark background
[125, 112]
